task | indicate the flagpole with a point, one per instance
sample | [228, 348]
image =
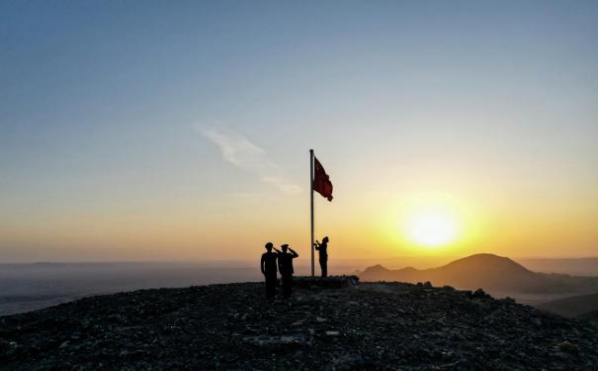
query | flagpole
[311, 193]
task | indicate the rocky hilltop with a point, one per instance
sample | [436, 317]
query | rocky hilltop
[327, 324]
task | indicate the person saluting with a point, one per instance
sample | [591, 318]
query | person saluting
[285, 265]
[268, 267]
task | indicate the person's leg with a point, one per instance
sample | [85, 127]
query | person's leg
[267, 286]
[324, 267]
[286, 280]
[270, 286]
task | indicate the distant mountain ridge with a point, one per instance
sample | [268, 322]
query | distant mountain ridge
[488, 271]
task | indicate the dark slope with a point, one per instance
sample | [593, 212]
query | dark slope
[591, 317]
[374, 326]
[574, 306]
[491, 272]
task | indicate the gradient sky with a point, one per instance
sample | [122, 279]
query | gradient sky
[180, 130]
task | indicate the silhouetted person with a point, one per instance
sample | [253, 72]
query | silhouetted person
[268, 266]
[285, 266]
[323, 250]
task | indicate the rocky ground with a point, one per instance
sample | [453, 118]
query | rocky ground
[335, 325]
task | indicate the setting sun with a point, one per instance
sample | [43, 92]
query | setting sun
[432, 228]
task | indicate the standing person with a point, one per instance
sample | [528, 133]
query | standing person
[268, 266]
[285, 266]
[323, 250]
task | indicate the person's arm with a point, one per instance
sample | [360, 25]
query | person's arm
[295, 255]
[317, 245]
[262, 263]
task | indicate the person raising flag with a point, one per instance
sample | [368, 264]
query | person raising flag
[319, 182]
[323, 250]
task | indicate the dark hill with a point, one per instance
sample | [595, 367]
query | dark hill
[490, 272]
[366, 326]
[591, 317]
[575, 306]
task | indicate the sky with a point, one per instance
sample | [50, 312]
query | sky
[162, 130]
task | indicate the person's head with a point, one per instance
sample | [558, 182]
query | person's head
[325, 239]
[269, 246]
[284, 247]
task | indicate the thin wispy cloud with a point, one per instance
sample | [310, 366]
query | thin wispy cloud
[239, 151]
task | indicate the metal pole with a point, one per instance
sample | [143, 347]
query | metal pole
[311, 193]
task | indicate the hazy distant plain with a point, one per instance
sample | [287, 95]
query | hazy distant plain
[25, 287]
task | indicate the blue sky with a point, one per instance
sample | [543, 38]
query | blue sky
[106, 110]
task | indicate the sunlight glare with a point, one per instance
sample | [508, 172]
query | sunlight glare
[432, 228]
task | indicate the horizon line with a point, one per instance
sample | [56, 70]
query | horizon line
[210, 260]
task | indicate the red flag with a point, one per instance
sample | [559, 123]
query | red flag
[322, 183]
